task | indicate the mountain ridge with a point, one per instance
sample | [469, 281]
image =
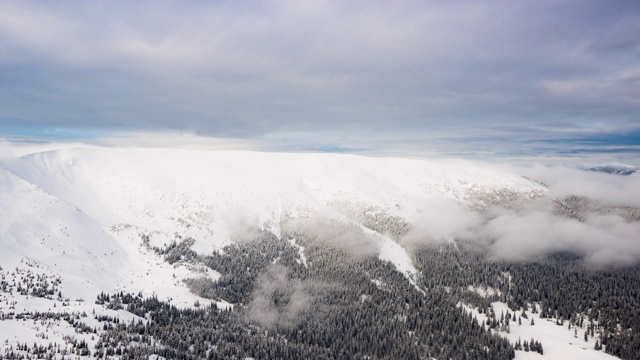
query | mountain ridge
[214, 229]
[218, 197]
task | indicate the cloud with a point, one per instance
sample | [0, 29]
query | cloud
[335, 232]
[440, 219]
[181, 140]
[601, 240]
[565, 180]
[386, 73]
[604, 234]
[593, 215]
[277, 300]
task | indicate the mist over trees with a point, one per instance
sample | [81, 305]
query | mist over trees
[313, 293]
[339, 305]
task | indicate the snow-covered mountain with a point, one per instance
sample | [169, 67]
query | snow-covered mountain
[90, 205]
[78, 217]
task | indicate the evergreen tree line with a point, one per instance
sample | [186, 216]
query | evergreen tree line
[602, 302]
[354, 307]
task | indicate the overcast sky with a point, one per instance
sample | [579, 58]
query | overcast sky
[523, 78]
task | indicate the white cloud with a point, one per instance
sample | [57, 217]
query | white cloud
[398, 68]
[440, 219]
[602, 240]
[180, 140]
[610, 189]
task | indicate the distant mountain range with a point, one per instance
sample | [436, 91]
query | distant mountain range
[615, 169]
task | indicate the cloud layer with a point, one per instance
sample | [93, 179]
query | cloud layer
[327, 75]
[593, 215]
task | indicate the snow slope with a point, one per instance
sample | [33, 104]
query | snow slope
[75, 216]
[217, 197]
[41, 227]
[558, 342]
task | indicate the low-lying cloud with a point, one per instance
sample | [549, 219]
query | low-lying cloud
[564, 180]
[600, 239]
[343, 235]
[592, 215]
[589, 214]
[277, 300]
[440, 218]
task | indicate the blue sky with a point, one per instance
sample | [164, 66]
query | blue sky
[463, 78]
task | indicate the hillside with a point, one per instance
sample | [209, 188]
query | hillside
[188, 227]
[218, 198]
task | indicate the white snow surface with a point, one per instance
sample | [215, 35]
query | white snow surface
[558, 342]
[80, 211]
[77, 214]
